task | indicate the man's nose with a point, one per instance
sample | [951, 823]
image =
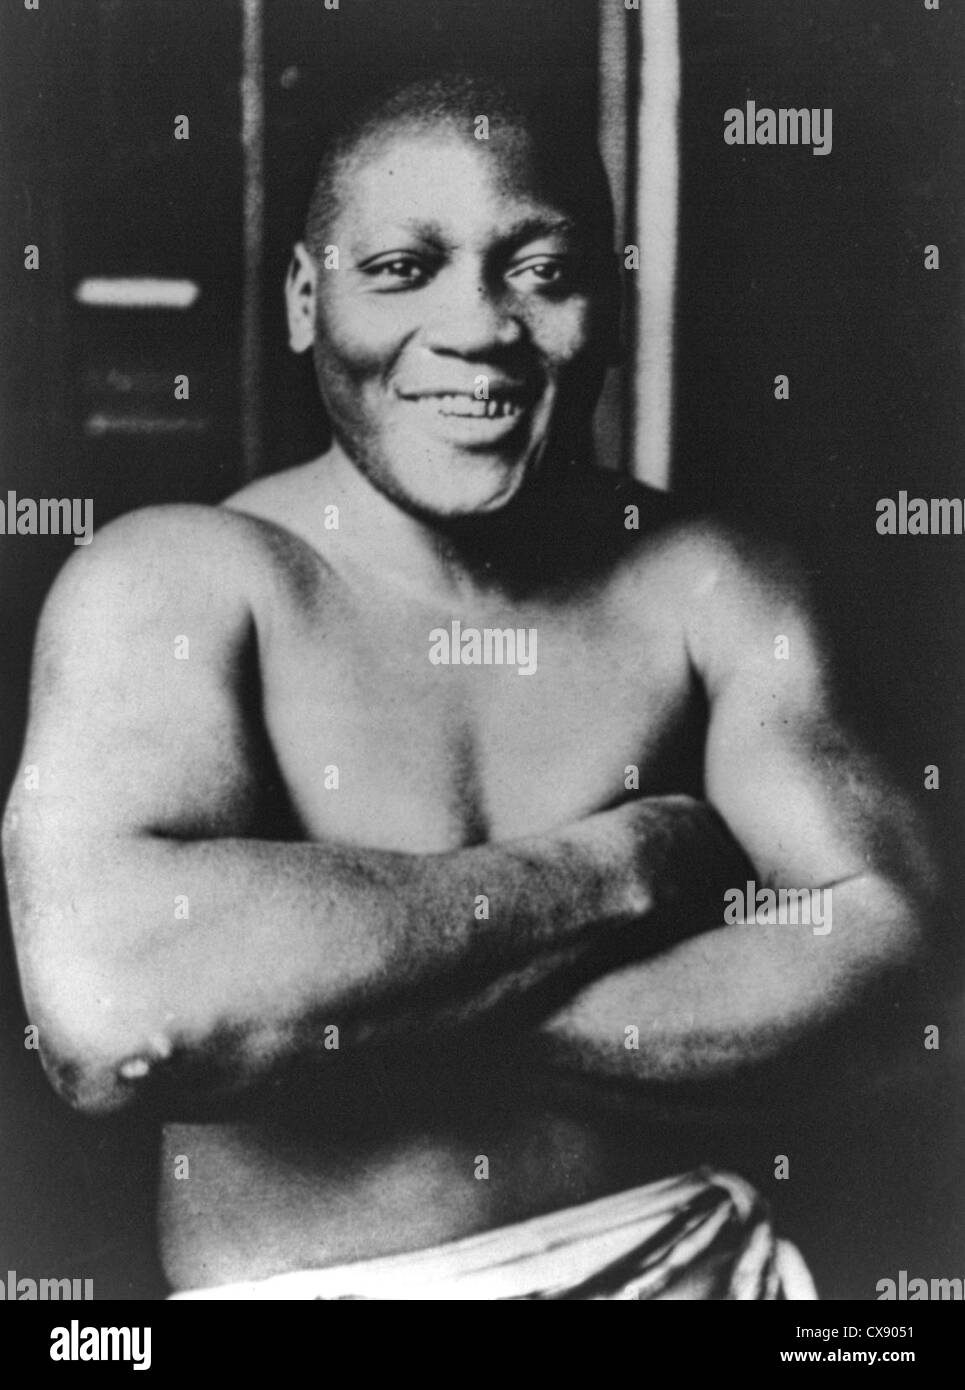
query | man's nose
[472, 317]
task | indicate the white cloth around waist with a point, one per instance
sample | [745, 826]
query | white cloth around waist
[702, 1235]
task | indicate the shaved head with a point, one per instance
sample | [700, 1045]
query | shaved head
[540, 130]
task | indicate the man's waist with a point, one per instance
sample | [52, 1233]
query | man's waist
[248, 1201]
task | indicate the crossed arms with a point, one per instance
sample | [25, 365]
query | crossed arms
[149, 789]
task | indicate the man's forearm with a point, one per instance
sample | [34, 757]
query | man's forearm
[746, 1016]
[224, 958]
[211, 964]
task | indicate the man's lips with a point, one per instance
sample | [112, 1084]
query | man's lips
[460, 420]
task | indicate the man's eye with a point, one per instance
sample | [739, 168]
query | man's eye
[398, 271]
[542, 273]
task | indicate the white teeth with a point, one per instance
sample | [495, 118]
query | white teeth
[462, 405]
[470, 408]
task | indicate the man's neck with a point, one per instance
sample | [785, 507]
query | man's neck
[445, 559]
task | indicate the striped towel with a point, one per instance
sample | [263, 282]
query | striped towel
[704, 1235]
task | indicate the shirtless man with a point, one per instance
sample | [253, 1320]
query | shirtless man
[390, 1008]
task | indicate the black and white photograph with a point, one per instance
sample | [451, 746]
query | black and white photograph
[482, 602]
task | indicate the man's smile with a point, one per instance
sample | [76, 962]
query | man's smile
[463, 417]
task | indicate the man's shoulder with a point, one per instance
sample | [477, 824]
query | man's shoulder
[160, 561]
[738, 593]
[669, 532]
[172, 538]
[720, 579]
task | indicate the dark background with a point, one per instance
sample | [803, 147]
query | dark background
[811, 266]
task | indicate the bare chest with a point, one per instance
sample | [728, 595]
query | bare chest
[400, 727]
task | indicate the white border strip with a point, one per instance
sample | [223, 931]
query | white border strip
[658, 178]
[614, 118]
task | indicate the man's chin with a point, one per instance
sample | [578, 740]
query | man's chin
[468, 490]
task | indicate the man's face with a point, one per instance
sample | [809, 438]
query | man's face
[459, 322]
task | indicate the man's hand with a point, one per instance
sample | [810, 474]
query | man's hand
[680, 856]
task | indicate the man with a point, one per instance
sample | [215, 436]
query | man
[385, 861]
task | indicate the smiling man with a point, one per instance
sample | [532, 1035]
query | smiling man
[422, 965]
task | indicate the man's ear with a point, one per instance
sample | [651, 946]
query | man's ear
[300, 298]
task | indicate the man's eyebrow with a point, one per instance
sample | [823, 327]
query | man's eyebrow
[407, 226]
[530, 228]
[526, 229]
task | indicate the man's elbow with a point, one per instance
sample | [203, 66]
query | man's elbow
[886, 928]
[108, 1044]
[96, 1063]
[91, 1086]
[102, 1072]
[892, 964]
[96, 1048]
[82, 1008]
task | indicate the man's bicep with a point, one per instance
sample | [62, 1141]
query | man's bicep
[137, 723]
[809, 804]
[792, 787]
